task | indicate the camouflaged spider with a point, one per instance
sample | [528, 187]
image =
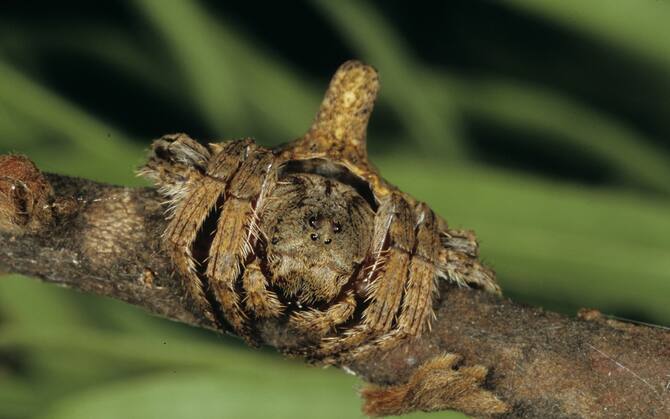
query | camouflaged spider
[309, 231]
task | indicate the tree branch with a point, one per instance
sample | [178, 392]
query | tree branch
[105, 240]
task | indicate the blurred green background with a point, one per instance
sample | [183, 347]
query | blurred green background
[542, 125]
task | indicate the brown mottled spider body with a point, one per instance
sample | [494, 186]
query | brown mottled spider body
[309, 232]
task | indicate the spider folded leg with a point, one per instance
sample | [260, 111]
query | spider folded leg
[320, 323]
[420, 287]
[386, 291]
[258, 299]
[226, 256]
[458, 259]
[178, 165]
[181, 234]
[175, 162]
[463, 241]
[236, 232]
[466, 270]
[417, 307]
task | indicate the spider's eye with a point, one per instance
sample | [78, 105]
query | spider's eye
[314, 236]
[337, 227]
[313, 221]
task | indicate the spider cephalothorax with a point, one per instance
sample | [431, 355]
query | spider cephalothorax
[309, 232]
[319, 231]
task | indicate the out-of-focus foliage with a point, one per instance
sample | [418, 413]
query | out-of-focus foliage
[541, 125]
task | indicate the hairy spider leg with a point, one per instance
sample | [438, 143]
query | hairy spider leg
[176, 163]
[181, 233]
[322, 322]
[190, 214]
[385, 293]
[258, 299]
[463, 241]
[236, 233]
[420, 288]
[458, 259]
[466, 270]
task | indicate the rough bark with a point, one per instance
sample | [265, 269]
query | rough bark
[105, 240]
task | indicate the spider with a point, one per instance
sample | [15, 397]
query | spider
[309, 232]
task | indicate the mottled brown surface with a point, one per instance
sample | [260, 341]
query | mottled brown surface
[543, 365]
[547, 365]
[312, 231]
[461, 389]
[484, 355]
[24, 195]
[339, 129]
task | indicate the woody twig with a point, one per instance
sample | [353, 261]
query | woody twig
[105, 240]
